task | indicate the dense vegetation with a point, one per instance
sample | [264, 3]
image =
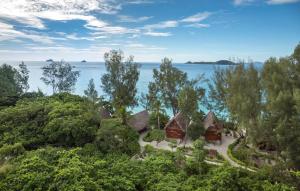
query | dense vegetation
[263, 102]
[60, 142]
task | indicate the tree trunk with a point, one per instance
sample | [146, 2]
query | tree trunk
[158, 122]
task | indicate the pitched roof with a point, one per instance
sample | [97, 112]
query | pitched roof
[210, 119]
[180, 120]
[139, 121]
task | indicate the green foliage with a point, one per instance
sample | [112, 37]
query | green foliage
[62, 119]
[10, 85]
[23, 123]
[238, 89]
[168, 81]
[71, 124]
[59, 169]
[117, 138]
[155, 135]
[91, 93]
[9, 81]
[196, 128]
[7, 151]
[119, 83]
[161, 118]
[60, 76]
[196, 164]
[282, 104]
[188, 101]
[23, 77]
[265, 103]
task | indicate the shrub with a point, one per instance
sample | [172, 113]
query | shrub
[155, 135]
[11, 150]
[116, 138]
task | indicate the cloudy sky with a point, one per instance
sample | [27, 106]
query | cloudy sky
[197, 30]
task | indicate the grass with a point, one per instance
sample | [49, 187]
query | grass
[174, 141]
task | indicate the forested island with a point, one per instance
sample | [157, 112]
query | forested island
[220, 62]
[94, 142]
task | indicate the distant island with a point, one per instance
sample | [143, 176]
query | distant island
[49, 60]
[83, 61]
[220, 62]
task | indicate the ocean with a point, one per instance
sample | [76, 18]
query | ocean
[95, 70]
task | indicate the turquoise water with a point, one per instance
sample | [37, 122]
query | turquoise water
[95, 70]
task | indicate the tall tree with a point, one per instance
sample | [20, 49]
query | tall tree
[24, 76]
[217, 92]
[10, 84]
[238, 90]
[281, 90]
[168, 81]
[152, 103]
[91, 93]
[60, 76]
[119, 83]
[188, 103]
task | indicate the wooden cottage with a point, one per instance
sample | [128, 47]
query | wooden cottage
[213, 129]
[139, 121]
[176, 127]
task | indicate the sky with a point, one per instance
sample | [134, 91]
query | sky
[190, 30]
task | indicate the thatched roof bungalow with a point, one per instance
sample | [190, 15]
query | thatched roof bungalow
[213, 129]
[139, 121]
[176, 127]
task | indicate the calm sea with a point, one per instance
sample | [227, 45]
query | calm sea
[95, 70]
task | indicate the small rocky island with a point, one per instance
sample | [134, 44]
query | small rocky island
[220, 62]
[49, 60]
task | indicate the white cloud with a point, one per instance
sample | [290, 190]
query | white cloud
[157, 34]
[270, 2]
[129, 19]
[277, 2]
[162, 25]
[8, 32]
[137, 2]
[198, 25]
[74, 36]
[197, 17]
[143, 47]
[32, 13]
[242, 2]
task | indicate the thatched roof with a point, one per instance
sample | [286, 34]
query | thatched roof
[139, 121]
[209, 120]
[181, 121]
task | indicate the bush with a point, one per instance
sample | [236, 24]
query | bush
[155, 135]
[113, 137]
[62, 120]
[11, 150]
[71, 124]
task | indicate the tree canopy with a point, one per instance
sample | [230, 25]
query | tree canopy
[119, 83]
[60, 76]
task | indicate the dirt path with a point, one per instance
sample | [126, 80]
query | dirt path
[221, 149]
